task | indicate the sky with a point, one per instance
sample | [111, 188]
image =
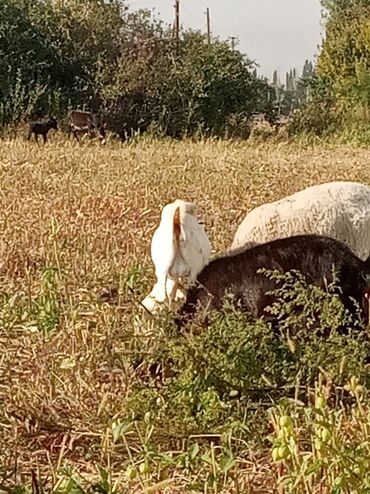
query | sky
[278, 34]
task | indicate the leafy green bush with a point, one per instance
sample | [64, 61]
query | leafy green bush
[220, 375]
[184, 88]
[316, 118]
[49, 53]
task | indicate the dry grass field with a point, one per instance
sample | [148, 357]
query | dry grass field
[76, 223]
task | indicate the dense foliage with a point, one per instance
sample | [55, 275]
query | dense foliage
[344, 61]
[55, 55]
[236, 357]
[341, 85]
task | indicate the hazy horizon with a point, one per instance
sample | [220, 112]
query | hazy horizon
[279, 35]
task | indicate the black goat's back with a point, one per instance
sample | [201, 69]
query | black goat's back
[316, 257]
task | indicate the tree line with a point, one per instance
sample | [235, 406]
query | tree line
[99, 55]
[340, 85]
[294, 91]
[56, 55]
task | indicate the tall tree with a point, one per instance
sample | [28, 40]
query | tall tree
[275, 78]
[344, 61]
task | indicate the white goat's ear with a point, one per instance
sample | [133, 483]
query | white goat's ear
[177, 225]
[191, 208]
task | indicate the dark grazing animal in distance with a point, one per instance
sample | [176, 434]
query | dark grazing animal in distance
[41, 128]
[314, 256]
[85, 122]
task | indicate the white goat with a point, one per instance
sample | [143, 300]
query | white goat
[340, 210]
[180, 249]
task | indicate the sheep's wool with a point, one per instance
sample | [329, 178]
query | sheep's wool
[340, 210]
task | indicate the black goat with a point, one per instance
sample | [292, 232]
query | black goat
[314, 256]
[41, 128]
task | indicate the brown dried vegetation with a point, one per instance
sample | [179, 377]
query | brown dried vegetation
[89, 212]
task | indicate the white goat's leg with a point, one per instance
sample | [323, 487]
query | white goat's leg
[180, 291]
[171, 289]
[160, 288]
[180, 294]
[182, 287]
[166, 289]
[157, 296]
[151, 302]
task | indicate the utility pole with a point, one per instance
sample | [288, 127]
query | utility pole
[177, 18]
[208, 26]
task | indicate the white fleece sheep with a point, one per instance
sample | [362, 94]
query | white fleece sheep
[340, 210]
[180, 249]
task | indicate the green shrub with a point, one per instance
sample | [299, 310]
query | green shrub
[220, 375]
[339, 91]
[316, 118]
[320, 448]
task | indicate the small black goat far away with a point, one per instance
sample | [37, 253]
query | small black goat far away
[41, 128]
[315, 256]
